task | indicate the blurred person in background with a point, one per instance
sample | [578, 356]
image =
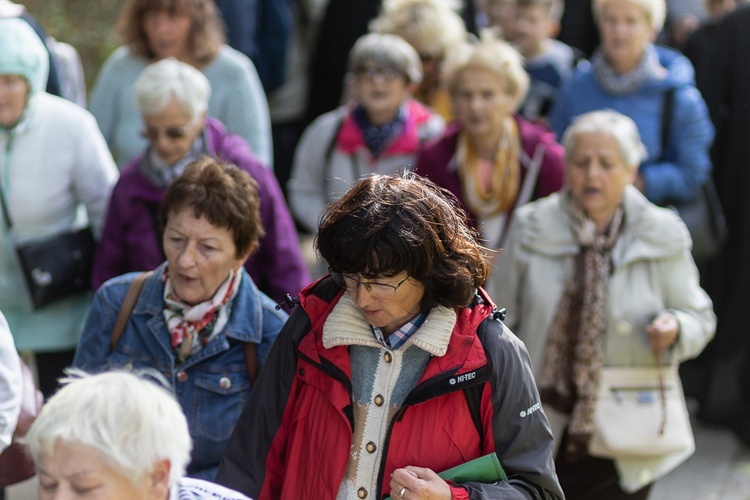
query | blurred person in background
[172, 98]
[191, 31]
[432, 27]
[55, 167]
[629, 74]
[380, 131]
[491, 159]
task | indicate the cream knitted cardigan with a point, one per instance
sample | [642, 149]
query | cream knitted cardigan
[378, 396]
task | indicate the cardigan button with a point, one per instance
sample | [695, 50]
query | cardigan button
[623, 327]
[362, 493]
[379, 400]
[182, 376]
[388, 357]
[371, 448]
[225, 383]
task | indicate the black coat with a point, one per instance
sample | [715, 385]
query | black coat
[720, 378]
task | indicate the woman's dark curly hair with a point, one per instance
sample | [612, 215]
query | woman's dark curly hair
[385, 225]
[206, 35]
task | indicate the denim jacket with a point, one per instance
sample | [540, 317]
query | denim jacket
[212, 385]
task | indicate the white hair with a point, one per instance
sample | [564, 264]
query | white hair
[622, 128]
[159, 82]
[133, 422]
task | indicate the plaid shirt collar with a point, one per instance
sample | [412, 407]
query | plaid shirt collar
[397, 338]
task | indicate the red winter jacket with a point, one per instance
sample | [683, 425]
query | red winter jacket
[294, 436]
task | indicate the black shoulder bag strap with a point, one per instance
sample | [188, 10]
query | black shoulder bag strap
[666, 119]
[473, 394]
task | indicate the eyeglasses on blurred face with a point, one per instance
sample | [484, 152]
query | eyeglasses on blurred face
[371, 73]
[381, 291]
[174, 133]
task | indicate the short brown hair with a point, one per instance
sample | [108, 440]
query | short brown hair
[206, 35]
[387, 224]
[224, 194]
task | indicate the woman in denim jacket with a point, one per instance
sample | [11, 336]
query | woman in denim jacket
[197, 312]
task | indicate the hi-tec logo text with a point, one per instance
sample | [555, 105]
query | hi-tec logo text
[462, 378]
[531, 410]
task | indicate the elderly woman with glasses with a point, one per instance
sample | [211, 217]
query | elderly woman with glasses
[173, 99]
[394, 365]
[380, 131]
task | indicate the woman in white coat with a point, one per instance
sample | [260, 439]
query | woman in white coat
[597, 276]
[54, 161]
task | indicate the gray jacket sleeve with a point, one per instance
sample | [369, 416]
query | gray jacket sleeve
[523, 439]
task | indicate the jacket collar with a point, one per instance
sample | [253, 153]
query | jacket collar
[345, 325]
[650, 232]
[464, 353]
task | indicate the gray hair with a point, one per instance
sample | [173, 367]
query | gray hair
[387, 50]
[655, 11]
[168, 78]
[133, 422]
[494, 55]
[622, 128]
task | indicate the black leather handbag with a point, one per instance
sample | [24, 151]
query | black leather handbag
[705, 220]
[55, 267]
[702, 214]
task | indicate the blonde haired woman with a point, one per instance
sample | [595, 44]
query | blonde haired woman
[432, 27]
[629, 74]
[491, 159]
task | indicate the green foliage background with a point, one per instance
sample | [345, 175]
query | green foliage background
[88, 25]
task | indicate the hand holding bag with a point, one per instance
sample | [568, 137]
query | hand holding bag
[55, 267]
[630, 413]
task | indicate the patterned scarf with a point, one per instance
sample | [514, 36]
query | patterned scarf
[192, 327]
[490, 188]
[161, 173]
[648, 69]
[574, 352]
[377, 137]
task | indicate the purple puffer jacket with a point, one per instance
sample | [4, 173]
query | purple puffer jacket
[129, 241]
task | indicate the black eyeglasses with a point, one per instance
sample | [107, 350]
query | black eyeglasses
[174, 133]
[381, 291]
[372, 72]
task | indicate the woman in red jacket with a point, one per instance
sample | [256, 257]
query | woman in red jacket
[368, 388]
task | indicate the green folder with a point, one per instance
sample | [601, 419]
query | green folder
[485, 469]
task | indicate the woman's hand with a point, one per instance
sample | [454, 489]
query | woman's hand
[418, 482]
[662, 331]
